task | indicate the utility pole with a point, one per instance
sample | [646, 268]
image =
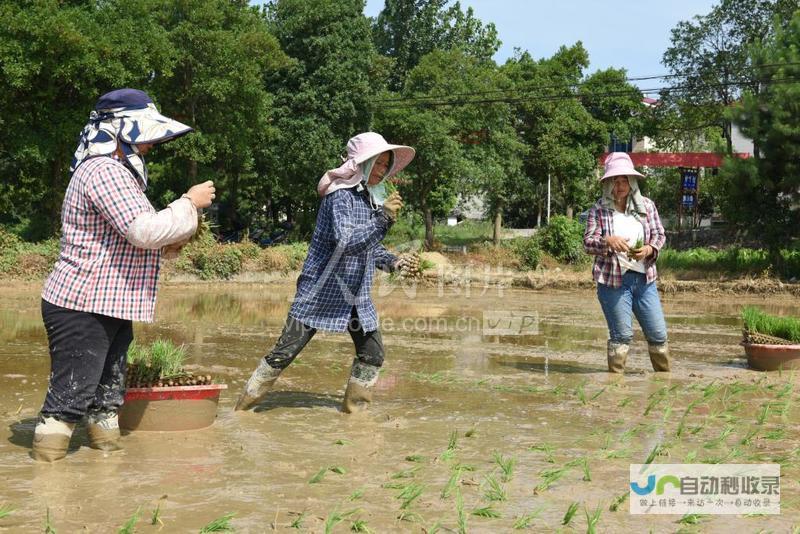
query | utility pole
[548, 198]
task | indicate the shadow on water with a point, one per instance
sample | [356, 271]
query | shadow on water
[297, 399]
[22, 432]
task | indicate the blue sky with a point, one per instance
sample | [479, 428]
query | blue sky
[633, 35]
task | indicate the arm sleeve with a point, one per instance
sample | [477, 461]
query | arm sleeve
[658, 237]
[115, 194]
[351, 238]
[384, 260]
[593, 242]
[174, 224]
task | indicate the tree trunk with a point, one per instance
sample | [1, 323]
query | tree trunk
[428, 215]
[727, 132]
[570, 211]
[498, 224]
[539, 216]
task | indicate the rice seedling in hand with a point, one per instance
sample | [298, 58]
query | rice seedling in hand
[494, 491]
[618, 501]
[571, 510]
[525, 521]
[506, 465]
[592, 518]
[6, 511]
[130, 525]
[487, 512]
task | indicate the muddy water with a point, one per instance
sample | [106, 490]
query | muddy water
[450, 399]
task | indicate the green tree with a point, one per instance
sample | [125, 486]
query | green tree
[322, 97]
[56, 59]
[222, 53]
[709, 57]
[762, 193]
[564, 138]
[408, 30]
[465, 145]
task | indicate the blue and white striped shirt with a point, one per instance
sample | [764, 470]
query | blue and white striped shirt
[344, 251]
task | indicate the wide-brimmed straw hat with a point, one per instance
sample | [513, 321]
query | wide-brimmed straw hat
[128, 117]
[619, 164]
[359, 149]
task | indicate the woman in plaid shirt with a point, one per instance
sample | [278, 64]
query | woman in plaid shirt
[333, 291]
[624, 233]
[107, 269]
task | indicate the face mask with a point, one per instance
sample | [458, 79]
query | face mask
[378, 192]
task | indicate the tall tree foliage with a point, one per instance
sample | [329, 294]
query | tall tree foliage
[322, 97]
[762, 194]
[222, 53]
[563, 136]
[709, 56]
[407, 30]
[55, 60]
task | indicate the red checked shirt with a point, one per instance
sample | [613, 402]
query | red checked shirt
[98, 270]
[599, 224]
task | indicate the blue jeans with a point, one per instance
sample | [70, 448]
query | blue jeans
[635, 297]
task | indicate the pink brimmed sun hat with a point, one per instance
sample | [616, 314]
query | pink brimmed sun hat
[359, 149]
[619, 164]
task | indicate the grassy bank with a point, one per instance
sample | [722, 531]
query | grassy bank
[556, 246]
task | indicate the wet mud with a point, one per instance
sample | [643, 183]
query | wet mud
[466, 429]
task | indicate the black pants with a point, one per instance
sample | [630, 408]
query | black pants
[88, 356]
[295, 336]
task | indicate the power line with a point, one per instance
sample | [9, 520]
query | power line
[568, 86]
[449, 101]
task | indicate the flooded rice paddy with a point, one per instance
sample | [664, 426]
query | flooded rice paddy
[468, 431]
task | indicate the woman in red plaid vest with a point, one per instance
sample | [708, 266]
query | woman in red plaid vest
[107, 270]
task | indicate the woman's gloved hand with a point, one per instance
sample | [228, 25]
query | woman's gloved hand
[408, 265]
[393, 205]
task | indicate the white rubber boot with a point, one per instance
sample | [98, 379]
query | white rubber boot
[51, 439]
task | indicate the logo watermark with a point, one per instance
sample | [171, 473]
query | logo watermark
[705, 488]
[486, 323]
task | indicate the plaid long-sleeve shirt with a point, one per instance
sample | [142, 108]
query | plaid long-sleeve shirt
[600, 224]
[337, 274]
[98, 270]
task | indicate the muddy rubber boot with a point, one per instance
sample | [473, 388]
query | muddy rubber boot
[617, 354]
[51, 439]
[103, 430]
[358, 395]
[258, 386]
[659, 357]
